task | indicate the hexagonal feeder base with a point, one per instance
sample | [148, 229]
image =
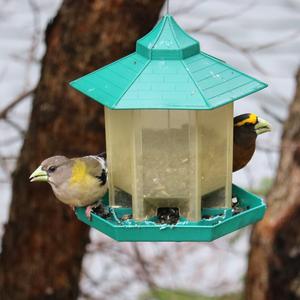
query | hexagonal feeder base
[217, 222]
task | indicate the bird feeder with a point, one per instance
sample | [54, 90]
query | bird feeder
[169, 140]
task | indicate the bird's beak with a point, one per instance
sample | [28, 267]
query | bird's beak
[39, 175]
[262, 126]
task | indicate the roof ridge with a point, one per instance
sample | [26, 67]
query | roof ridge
[164, 20]
[181, 30]
[131, 84]
[195, 83]
[173, 33]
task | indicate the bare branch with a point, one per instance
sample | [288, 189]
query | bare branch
[9, 141]
[230, 16]
[23, 59]
[18, 128]
[35, 37]
[4, 166]
[272, 114]
[87, 296]
[117, 288]
[275, 43]
[267, 149]
[247, 49]
[243, 50]
[225, 41]
[228, 249]
[15, 102]
[4, 181]
[188, 8]
[12, 157]
[143, 267]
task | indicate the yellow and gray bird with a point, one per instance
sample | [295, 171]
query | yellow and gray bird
[78, 182]
[246, 129]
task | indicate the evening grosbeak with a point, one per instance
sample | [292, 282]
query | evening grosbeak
[80, 181]
[246, 129]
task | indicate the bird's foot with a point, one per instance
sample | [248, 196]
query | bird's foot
[90, 208]
[88, 211]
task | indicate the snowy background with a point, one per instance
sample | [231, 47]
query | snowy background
[262, 38]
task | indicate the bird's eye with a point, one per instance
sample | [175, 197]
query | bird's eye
[52, 169]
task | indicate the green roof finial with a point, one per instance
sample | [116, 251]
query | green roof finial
[167, 41]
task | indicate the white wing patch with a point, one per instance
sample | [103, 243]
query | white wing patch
[100, 160]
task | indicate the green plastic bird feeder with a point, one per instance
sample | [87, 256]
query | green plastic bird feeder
[169, 140]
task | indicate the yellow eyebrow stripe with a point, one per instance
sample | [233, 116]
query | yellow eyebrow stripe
[252, 119]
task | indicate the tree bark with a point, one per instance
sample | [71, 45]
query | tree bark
[274, 262]
[43, 244]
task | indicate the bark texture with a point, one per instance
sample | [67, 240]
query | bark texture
[274, 263]
[43, 244]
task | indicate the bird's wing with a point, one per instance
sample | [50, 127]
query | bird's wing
[242, 155]
[96, 166]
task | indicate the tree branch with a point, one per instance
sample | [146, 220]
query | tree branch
[16, 101]
[272, 114]
[16, 126]
[235, 14]
[143, 266]
[188, 8]
[243, 50]
[275, 43]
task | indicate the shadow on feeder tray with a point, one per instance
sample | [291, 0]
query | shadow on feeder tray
[110, 214]
[101, 212]
[214, 198]
[236, 206]
[167, 215]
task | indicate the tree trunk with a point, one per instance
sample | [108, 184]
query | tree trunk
[274, 263]
[43, 244]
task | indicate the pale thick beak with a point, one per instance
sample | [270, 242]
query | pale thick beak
[262, 126]
[39, 175]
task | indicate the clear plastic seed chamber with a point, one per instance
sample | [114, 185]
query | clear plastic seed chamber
[168, 159]
[169, 141]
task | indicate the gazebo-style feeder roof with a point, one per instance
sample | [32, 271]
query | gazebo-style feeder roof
[167, 71]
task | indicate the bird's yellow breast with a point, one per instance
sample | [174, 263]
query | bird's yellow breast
[80, 174]
[82, 188]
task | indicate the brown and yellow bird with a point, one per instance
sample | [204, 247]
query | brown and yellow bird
[246, 129]
[78, 182]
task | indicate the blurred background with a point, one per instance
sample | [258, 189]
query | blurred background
[45, 44]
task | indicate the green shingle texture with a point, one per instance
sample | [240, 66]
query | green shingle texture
[167, 71]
